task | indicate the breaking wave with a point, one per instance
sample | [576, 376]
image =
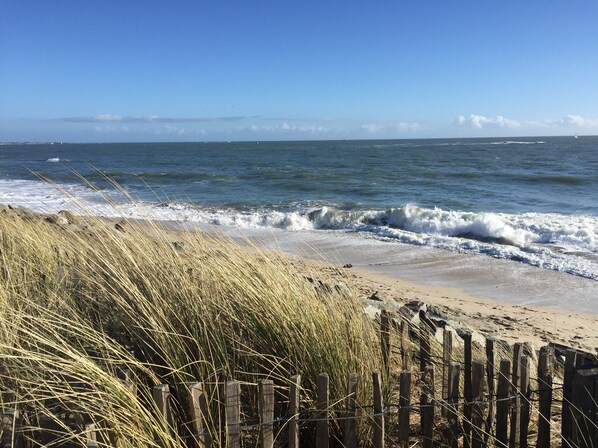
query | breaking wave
[562, 242]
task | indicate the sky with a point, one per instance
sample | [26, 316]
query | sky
[118, 71]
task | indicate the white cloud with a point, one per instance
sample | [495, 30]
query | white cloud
[579, 121]
[284, 127]
[102, 118]
[402, 126]
[408, 127]
[106, 117]
[106, 128]
[481, 121]
[568, 121]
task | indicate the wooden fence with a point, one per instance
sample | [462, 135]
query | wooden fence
[472, 398]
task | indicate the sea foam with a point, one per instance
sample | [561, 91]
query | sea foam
[561, 242]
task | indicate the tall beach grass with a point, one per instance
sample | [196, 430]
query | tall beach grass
[83, 300]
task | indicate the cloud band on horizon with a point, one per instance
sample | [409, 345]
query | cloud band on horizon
[112, 118]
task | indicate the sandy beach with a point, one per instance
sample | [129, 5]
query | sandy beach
[499, 298]
[513, 323]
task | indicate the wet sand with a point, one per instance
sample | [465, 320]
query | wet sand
[502, 298]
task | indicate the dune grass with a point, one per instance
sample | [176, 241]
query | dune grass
[82, 302]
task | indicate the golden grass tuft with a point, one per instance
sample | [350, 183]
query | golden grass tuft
[80, 303]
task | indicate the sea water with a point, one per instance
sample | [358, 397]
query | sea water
[530, 201]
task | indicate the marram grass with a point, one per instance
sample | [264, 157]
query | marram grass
[80, 303]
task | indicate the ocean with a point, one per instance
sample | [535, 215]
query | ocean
[531, 201]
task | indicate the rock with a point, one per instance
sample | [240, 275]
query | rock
[529, 350]
[180, 245]
[371, 311]
[439, 334]
[56, 219]
[410, 311]
[120, 225]
[323, 287]
[72, 219]
[376, 296]
[435, 313]
[343, 290]
[348, 265]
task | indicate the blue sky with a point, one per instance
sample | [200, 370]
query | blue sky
[262, 70]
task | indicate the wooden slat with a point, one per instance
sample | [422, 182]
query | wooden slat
[502, 405]
[266, 408]
[525, 401]
[405, 345]
[477, 414]
[378, 410]
[198, 411]
[91, 435]
[427, 412]
[322, 435]
[515, 434]
[404, 404]
[351, 422]
[452, 430]
[584, 405]
[545, 396]
[294, 401]
[128, 380]
[424, 342]
[161, 396]
[10, 430]
[467, 390]
[232, 396]
[447, 353]
[572, 360]
[491, 383]
[385, 337]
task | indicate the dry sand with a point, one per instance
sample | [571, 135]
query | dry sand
[513, 323]
[500, 298]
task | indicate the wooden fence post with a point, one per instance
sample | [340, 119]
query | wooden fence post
[427, 401]
[585, 407]
[161, 396]
[467, 391]
[10, 430]
[322, 435]
[232, 396]
[490, 377]
[266, 408]
[502, 405]
[572, 361]
[447, 352]
[404, 345]
[385, 338]
[545, 396]
[515, 434]
[452, 430]
[424, 342]
[351, 422]
[477, 414]
[525, 400]
[91, 435]
[404, 408]
[198, 410]
[378, 410]
[294, 400]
